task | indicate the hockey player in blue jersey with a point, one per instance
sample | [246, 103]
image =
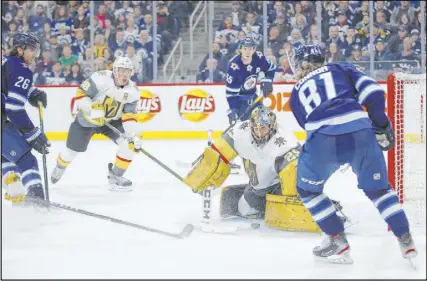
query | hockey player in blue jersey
[327, 101]
[242, 76]
[19, 135]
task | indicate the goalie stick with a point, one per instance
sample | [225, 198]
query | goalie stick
[206, 220]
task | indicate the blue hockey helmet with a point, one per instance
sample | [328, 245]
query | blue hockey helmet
[309, 54]
[27, 40]
[248, 41]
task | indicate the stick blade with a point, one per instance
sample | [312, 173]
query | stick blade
[188, 229]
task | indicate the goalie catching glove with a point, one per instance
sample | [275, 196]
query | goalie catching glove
[211, 170]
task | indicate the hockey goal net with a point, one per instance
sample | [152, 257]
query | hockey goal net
[406, 107]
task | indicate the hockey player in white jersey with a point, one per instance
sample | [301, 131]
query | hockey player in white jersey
[270, 154]
[106, 96]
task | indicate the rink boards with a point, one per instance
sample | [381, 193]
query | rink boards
[179, 111]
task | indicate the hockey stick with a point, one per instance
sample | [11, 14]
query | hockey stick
[114, 129]
[46, 186]
[186, 231]
[289, 61]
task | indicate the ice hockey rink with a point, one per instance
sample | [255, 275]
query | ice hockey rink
[63, 244]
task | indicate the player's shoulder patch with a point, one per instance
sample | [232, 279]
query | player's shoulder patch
[244, 126]
[102, 79]
[279, 141]
[259, 54]
[234, 66]
[134, 93]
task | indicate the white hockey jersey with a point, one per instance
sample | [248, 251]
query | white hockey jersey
[262, 163]
[100, 87]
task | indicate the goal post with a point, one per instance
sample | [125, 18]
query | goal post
[406, 107]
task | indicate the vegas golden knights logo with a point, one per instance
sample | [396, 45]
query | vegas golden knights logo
[111, 107]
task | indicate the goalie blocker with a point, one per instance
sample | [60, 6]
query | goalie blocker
[270, 162]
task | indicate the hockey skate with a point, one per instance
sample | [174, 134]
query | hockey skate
[35, 196]
[407, 246]
[57, 174]
[334, 249]
[118, 183]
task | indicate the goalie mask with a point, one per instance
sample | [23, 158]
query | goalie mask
[122, 70]
[263, 124]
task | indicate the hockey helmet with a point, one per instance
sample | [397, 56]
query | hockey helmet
[263, 124]
[24, 40]
[248, 41]
[309, 54]
[123, 62]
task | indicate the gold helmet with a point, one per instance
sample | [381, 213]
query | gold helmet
[263, 124]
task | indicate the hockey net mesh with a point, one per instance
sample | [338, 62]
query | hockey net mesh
[407, 160]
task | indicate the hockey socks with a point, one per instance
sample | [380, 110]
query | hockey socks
[323, 211]
[387, 203]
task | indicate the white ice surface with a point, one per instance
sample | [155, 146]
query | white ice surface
[62, 244]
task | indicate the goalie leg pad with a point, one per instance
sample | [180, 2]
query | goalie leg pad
[288, 213]
[229, 200]
[15, 190]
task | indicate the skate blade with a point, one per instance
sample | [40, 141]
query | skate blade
[412, 263]
[343, 258]
[115, 188]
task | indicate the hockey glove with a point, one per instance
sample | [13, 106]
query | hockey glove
[97, 114]
[35, 96]
[385, 137]
[135, 144]
[232, 116]
[266, 88]
[37, 140]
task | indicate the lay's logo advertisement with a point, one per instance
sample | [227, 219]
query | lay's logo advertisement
[148, 106]
[196, 105]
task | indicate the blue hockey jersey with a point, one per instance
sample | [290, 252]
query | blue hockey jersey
[329, 100]
[18, 77]
[241, 79]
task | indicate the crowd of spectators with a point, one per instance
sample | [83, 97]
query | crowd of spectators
[126, 28]
[120, 28]
[345, 34]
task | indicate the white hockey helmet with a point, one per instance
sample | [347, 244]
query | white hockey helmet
[123, 62]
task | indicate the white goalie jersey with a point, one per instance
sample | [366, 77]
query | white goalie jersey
[261, 162]
[100, 88]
